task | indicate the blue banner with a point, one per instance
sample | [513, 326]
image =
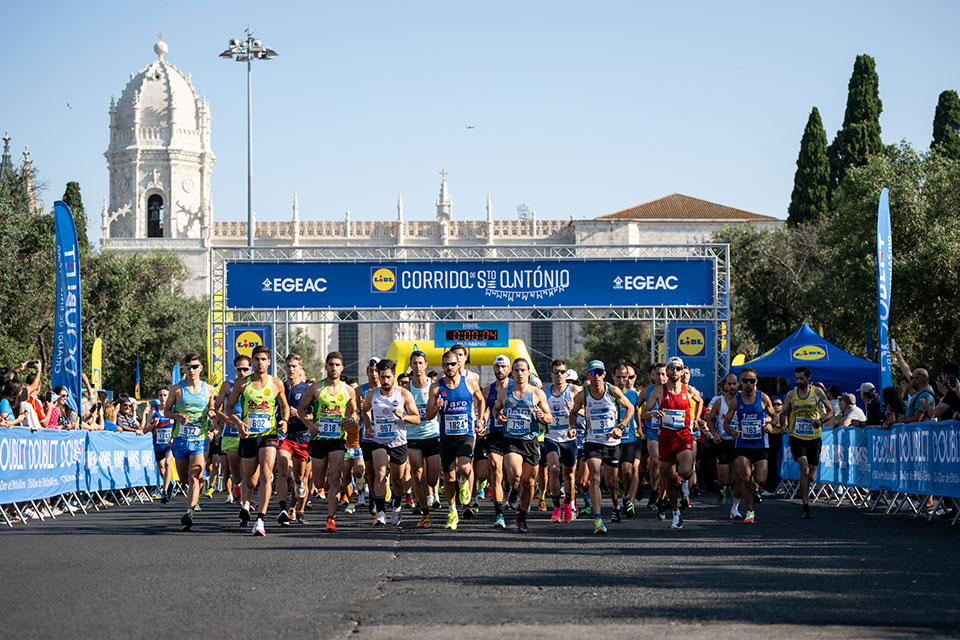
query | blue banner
[242, 339]
[884, 287]
[499, 284]
[66, 331]
[920, 458]
[694, 343]
[119, 461]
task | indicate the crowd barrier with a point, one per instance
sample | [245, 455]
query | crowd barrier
[83, 466]
[912, 467]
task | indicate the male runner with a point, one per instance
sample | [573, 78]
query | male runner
[601, 446]
[629, 460]
[696, 409]
[461, 352]
[520, 409]
[387, 410]
[189, 406]
[723, 443]
[162, 428]
[804, 412]
[292, 454]
[675, 448]
[493, 438]
[259, 428]
[457, 400]
[230, 431]
[561, 442]
[423, 440]
[754, 412]
[657, 376]
[328, 408]
[366, 445]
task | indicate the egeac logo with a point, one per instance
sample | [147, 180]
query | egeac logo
[809, 352]
[383, 280]
[691, 342]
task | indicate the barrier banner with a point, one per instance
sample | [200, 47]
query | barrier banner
[66, 329]
[588, 282]
[921, 458]
[39, 464]
[119, 461]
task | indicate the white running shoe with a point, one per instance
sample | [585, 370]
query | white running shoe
[258, 529]
[395, 518]
[735, 512]
[430, 500]
[229, 499]
[381, 519]
[300, 488]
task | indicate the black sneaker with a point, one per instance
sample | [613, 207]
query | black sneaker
[521, 526]
[468, 514]
[661, 510]
[630, 511]
[163, 499]
[616, 516]
[684, 503]
[696, 491]
[652, 502]
[283, 519]
[300, 519]
[806, 512]
[244, 517]
[186, 521]
[416, 509]
[757, 497]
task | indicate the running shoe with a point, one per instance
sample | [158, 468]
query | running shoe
[452, 520]
[186, 521]
[587, 510]
[164, 500]
[500, 522]
[424, 521]
[236, 493]
[283, 519]
[568, 514]
[464, 493]
[300, 488]
[521, 526]
[652, 502]
[630, 510]
[757, 497]
[197, 507]
[300, 519]
[468, 513]
[155, 495]
[661, 510]
[684, 502]
[750, 518]
[806, 513]
[258, 529]
[598, 528]
[514, 499]
[696, 491]
[209, 492]
[416, 510]
[408, 501]
[677, 520]
[380, 519]
[350, 508]
[557, 515]
[735, 513]
[395, 518]
[362, 500]
[721, 496]
[229, 499]
[430, 501]
[244, 517]
[331, 526]
[616, 516]
[542, 503]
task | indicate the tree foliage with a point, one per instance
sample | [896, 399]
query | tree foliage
[613, 343]
[859, 137]
[811, 184]
[946, 125]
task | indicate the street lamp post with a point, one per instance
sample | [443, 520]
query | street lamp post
[246, 50]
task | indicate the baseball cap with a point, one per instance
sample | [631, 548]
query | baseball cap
[535, 381]
[572, 376]
[596, 364]
[502, 359]
[867, 387]
[675, 360]
[372, 361]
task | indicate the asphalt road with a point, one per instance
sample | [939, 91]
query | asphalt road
[130, 572]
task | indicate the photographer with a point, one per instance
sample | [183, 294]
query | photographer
[949, 387]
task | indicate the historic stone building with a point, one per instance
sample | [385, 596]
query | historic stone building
[160, 160]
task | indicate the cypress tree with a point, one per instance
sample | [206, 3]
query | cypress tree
[811, 184]
[859, 137]
[71, 196]
[946, 125]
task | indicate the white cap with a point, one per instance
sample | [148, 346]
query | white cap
[372, 361]
[502, 359]
[572, 376]
[535, 381]
[675, 360]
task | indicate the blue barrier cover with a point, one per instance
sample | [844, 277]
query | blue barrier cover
[921, 458]
[119, 461]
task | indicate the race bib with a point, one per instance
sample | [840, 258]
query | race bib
[329, 426]
[230, 431]
[456, 425]
[164, 435]
[518, 423]
[191, 431]
[258, 423]
[674, 419]
[803, 427]
[600, 422]
[560, 420]
[423, 412]
[386, 426]
[751, 428]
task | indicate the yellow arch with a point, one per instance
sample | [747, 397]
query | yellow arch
[400, 351]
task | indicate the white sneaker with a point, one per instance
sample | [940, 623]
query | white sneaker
[685, 489]
[381, 519]
[30, 514]
[229, 499]
[72, 508]
[258, 529]
[735, 513]
[395, 518]
[57, 511]
[301, 489]
[430, 500]
[362, 500]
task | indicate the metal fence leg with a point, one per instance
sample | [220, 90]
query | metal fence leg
[893, 504]
[6, 518]
[79, 502]
[37, 510]
[20, 513]
[936, 507]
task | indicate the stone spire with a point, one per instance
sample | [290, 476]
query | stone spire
[6, 164]
[400, 225]
[444, 203]
[296, 221]
[28, 177]
[489, 220]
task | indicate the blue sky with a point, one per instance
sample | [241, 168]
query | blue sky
[579, 108]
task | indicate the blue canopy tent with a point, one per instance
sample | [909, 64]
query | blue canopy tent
[827, 362]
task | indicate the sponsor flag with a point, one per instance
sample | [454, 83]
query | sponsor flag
[96, 372]
[884, 287]
[136, 389]
[175, 377]
[66, 331]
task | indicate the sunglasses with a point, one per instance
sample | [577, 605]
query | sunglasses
[749, 380]
[633, 377]
[778, 404]
[242, 368]
[597, 372]
[451, 364]
[194, 366]
[559, 371]
[674, 367]
[63, 397]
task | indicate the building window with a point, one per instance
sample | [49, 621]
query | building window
[349, 346]
[155, 216]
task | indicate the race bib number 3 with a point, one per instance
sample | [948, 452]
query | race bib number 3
[259, 424]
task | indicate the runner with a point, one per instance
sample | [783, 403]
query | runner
[675, 446]
[387, 410]
[804, 412]
[603, 433]
[629, 458]
[561, 442]
[259, 428]
[366, 445]
[230, 431]
[353, 468]
[657, 375]
[162, 428]
[189, 406]
[493, 438]
[696, 409]
[328, 408]
[723, 443]
[754, 412]
[423, 440]
[521, 408]
[458, 401]
[292, 455]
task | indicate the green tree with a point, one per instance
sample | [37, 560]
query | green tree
[811, 183]
[613, 343]
[946, 125]
[71, 196]
[859, 137]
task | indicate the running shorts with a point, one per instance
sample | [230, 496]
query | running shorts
[229, 444]
[494, 443]
[452, 448]
[297, 450]
[321, 447]
[528, 450]
[725, 451]
[629, 451]
[608, 454]
[480, 449]
[567, 451]
[808, 448]
[397, 455]
[183, 449]
[250, 447]
[367, 448]
[753, 455]
[427, 446]
[160, 454]
[673, 443]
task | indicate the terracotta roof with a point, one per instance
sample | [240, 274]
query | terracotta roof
[677, 206]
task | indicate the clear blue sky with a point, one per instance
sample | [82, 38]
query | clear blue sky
[579, 108]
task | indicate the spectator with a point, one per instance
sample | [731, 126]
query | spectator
[126, 418]
[852, 415]
[833, 394]
[868, 393]
[58, 413]
[110, 411]
[892, 407]
[923, 392]
[432, 375]
[11, 412]
[949, 387]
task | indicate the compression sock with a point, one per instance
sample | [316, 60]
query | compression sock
[380, 502]
[397, 501]
[556, 500]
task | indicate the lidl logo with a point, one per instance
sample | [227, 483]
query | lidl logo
[247, 341]
[809, 352]
[691, 342]
[383, 280]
